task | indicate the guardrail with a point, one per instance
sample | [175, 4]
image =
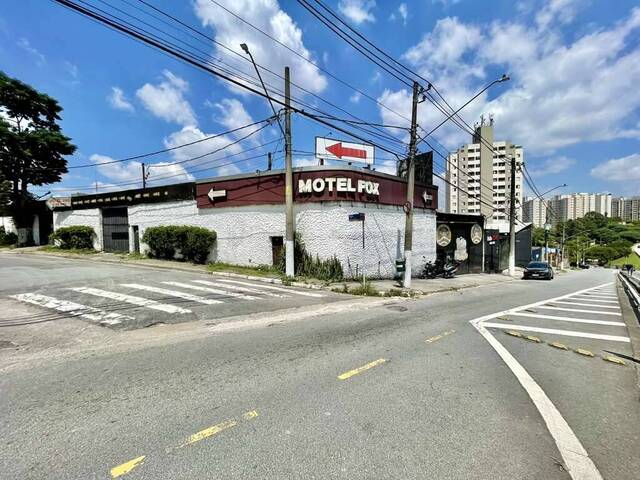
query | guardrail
[632, 287]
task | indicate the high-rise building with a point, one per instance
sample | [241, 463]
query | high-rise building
[576, 205]
[628, 209]
[534, 211]
[479, 176]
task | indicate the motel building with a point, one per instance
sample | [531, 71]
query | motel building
[247, 212]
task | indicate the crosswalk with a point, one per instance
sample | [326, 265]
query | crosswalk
[592, 314]
[188, 297]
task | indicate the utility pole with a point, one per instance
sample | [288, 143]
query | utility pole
[269, 163]
[288, 177]
[512, 219]
[563, 231]
[408, 226]
[144, 177]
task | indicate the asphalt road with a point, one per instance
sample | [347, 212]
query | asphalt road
[390, 389]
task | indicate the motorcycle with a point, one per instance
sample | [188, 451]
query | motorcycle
[439, 268]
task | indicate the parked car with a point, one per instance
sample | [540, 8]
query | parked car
[538, 270]
[583, 265]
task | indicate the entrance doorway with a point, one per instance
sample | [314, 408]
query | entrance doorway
[277, 250]
[115, 229]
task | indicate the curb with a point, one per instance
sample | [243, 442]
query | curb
[629, 317]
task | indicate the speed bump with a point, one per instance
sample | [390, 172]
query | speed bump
[531, 338]
[559, 345]
[513, 333]
[615, 360]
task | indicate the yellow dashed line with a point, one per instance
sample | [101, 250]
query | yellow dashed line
[250, 415]
[615, 360]
[559, 345]
[209, 432]
[438, 337]
[584, 352]
[531, 338]
[126, 467]
[361, 369]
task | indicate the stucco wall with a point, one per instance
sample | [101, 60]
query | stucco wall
[90, 217]
[244, 232]
[7, 223]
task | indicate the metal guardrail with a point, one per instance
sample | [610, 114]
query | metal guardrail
[632, 287]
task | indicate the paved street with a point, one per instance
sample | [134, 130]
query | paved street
[445, 386]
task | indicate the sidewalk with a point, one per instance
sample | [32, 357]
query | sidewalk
[383, 287]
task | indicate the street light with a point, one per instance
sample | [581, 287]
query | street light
[547, 227]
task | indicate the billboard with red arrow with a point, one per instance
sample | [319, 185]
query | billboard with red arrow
[332, 149]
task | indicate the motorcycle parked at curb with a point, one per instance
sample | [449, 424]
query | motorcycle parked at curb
[440, 268]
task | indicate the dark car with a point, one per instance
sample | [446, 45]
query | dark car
[538, 270]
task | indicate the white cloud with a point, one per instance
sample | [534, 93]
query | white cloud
[623, 169]
[118, 100]
[356, 97]
[72, 70]
[403, 14]
[358, 11]
[125, 172]
[560, 93]
[305, 162]
[269, 17]
[166, 100]
[231, 113]
[561, 11]
[552, 166]
[26, 45]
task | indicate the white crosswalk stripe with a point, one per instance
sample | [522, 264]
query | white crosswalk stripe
[595, 300]
[255, 289]
[569, 333]
[172, 293]
[73, 309]
[271, 287]
[568, 319]
[581, 304]
[579, 310]
[141, 302]
[211, 290]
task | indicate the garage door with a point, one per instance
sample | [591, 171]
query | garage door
[115, 229]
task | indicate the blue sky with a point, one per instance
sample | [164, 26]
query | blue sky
[572, 102]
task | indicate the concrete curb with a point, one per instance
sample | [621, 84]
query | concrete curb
[633, 327]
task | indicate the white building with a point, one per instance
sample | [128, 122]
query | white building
[576, 205]
[534, 211]
[628, 209]
[480, 177]
[248, 215]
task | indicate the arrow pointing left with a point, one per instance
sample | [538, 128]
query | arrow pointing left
[213, 194]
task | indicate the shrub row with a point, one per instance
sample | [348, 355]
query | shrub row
[193, 243]
[7, 238]
[78, 236]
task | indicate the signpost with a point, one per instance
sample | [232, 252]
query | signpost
[359, 217]
[332, 149]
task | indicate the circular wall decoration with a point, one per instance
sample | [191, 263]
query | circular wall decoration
[443, 235]
[476, 234]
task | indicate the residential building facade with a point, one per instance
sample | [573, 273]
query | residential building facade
[576, 205]
[534, 211]
[479, 177]
[628, 209]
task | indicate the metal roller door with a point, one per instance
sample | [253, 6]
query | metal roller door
[115, 229]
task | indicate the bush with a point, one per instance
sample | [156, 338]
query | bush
[193, 243]
[79, 236]
[9, 238]
[308, 266]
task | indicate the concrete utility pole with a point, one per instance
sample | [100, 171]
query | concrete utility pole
[288, 177]
[512, 220]
[408, 226]
[269, 162]
[144, 177]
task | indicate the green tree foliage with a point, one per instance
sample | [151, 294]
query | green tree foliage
[32, 146]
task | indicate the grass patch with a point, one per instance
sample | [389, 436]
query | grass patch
[135, 256]
[367, 290]
[77, 251]
[258, 270]
[632, 258]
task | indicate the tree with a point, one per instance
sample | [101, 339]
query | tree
[32, 146]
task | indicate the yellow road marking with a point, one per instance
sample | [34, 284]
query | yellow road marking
[250, 415]
[209, 432]
[584, 352]
[361, 369]
[531, 338]
[513, 333]
[126, 467]
[614, 360]
[559, 345]
[438, 337]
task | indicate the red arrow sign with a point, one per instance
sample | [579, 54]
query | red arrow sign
[339, 151]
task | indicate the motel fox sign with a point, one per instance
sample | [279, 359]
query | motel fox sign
[338, 184]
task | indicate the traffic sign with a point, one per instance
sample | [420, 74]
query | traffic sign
[356, 217]
[332, 149]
